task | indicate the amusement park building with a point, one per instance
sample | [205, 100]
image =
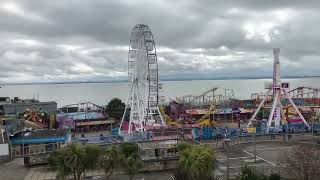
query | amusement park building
[83, 117]
[35, 146]
[14, 113]
[20, 106]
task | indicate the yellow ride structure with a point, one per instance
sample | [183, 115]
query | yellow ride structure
[167, 119]
[205, 119]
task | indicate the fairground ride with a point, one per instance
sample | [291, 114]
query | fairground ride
[169, 121]
[36, 116]
[202, 121]
[279, 91]
[217, 96]
[205, 119]
[143, 82]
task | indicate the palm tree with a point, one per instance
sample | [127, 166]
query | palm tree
[74, 160]
[109, 160]
[93, 153]
[132, 164]
[57, 160]
[130, 159]
[128, 149]
[196, 162]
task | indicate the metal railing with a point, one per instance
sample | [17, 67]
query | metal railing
[136, 137]
[32, 150]
[259, 138]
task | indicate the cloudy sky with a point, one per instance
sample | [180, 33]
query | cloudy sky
[75, 40]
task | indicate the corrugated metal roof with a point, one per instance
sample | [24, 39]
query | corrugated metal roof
[81, 115]
[40, 136]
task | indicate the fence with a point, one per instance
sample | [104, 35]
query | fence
[33, 150]
[219, 144]
[136, 137]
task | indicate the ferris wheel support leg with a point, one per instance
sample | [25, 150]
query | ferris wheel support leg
[259, 107]
[163, 122]
[125, 110]
[296, 108]
[275, 102]
[132, 110]
[141, 110]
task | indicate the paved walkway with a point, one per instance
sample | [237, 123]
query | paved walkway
[42, 174]
[13, 170]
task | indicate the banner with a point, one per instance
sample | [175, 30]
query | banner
[90, 123]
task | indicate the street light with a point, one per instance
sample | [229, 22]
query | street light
[226, 142]
[254, 123]
[225, 106]
[313, 130]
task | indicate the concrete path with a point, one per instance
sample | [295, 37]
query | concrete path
[13, 170]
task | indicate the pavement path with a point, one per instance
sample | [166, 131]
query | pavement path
[13, 170]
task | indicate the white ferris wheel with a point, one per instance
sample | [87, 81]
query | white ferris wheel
[143, 82]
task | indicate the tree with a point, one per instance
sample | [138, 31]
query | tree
[196, 162]
[274, 177]
[183, 145]
[109, 161]
[129, 149]
[57, 160]
[92, 155]
[132, 164]
[71, 160]
[303, 163]
[115, 108]
[74, 160]
[130, 159]
[248, 173]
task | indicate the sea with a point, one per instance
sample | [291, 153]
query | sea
[102, 93]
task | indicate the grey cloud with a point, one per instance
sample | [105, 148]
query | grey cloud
[205, 38]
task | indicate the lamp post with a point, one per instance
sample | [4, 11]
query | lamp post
[224, 104]
[254, 123]
[312, 130]
[225, 107]
[226, 142]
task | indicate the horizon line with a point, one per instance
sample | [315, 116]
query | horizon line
[161, 79]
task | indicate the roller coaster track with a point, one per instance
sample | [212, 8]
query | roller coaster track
[305, 92]
[207, 98]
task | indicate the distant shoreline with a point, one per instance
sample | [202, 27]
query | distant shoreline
[164, 79]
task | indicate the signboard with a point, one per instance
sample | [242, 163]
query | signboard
[285, 85]
[65, 122]
[251, 130]
[90, 123]
[236, 111]
[195, 111]
[4, 150]
[296, 120]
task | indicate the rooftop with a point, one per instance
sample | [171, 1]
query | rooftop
[40, 136]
